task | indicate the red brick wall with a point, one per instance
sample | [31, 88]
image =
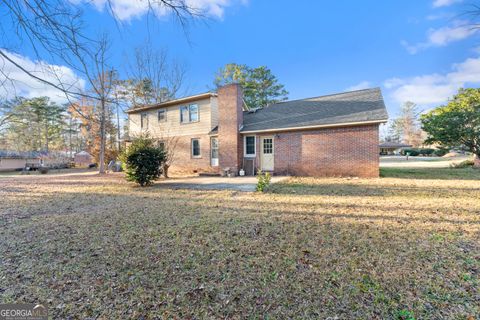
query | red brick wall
[343, 151]
[230, 117]
[185, 163]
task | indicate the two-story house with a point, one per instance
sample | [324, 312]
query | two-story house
[334, 135]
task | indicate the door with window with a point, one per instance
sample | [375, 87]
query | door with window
[214, 151]
[267, 153]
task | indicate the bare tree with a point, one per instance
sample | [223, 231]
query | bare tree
[169, 145]
[154, 78]
[54, 31]
[6, 115]
[406, 127]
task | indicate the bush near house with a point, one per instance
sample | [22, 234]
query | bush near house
[143, 161]
[263, 181]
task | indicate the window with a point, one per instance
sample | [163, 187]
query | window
[193, 113]
[184, 114]
[144, 120]
[189, 113]
[249, 145]
[196, 148]
[214, 147]
[162, 115]
[267, 146]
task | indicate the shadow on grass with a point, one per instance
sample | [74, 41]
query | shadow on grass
[431, 173]
[347, 189]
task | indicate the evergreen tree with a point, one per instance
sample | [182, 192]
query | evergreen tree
[260, 86]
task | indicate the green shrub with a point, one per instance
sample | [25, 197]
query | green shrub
[427, 151]
[263, 181]
[440, 152]
[463, 164]
[411, 152]
[143, 161]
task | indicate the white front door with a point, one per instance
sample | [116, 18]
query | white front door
[267, 154]
[214, 151]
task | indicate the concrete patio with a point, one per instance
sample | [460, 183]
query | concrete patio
[246, 184]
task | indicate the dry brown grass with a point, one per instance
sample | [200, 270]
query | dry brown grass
[98, 247]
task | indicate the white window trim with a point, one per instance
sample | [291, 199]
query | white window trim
[189, 113]
[199, 148]
[245, 146]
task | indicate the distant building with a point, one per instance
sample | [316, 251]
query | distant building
[11, 160]
[83, 159]
[391, 148]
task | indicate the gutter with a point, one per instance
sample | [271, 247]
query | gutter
[193, 98]
[345, 124]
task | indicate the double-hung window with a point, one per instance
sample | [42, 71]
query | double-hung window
[162, 115]
[189, 113]
[196, 148]
[144, 120]
[249, 146]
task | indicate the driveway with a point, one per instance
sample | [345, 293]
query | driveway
[215, 183]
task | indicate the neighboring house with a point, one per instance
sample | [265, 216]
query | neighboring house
[333, 135]
[11, 160]
[391, 148]
[83, 159]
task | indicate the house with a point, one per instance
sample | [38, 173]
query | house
[12, 160]
[333, 135]
[83, 159]
[391, 148]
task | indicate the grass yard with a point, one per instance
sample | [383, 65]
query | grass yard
[97, 247]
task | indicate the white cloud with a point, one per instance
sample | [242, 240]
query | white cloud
[126, 10]
[15, 82]
[435, 88]
[459, 30]
[360, 86]
[444, 3]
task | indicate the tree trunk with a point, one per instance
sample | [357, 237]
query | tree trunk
[46, 138]
[101, 157]
[165, 170]
[118, 130]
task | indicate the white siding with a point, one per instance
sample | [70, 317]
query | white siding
[208, 119]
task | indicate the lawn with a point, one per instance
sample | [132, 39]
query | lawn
[98, 247]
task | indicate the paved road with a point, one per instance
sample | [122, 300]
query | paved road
[419, 162]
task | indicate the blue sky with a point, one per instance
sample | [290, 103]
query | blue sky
[421, 50]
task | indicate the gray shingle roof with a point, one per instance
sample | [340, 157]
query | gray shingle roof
[394, 145]
[356, 106]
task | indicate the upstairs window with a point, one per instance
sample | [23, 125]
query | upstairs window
[162, 115]
[196, 148]
[189, 113]
[249, 145]
[184, 114]
[144, 120]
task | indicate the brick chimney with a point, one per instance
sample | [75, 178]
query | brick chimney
[230, 118]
